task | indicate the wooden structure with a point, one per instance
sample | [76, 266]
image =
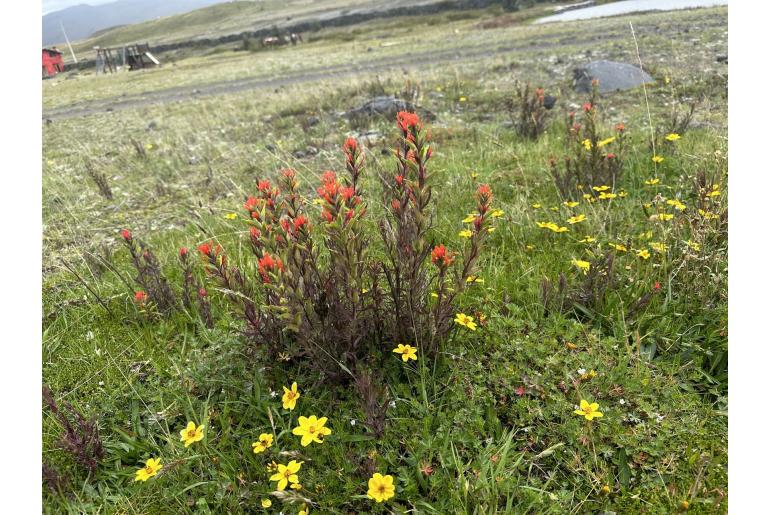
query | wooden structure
[52, 62]
[136, 57]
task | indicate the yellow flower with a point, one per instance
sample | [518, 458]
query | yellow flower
[588, 375]
[554, 208]
[601, 188]
[552, 226]
[587, 144]
[662, 216]
[407, 352]
[261, 445]
[588, 239]
[463, 99]
[491, 229]
[311, 429]
[465, 233]
[604, 195]
[673, 137]
[587, 196]
[151, 468]
[191, 434]
[296, 486]
[693, 245]
[290, 397]
[231, 216]
[583, 266]
[652, 182]
[618, 246]
[305, 510]
[576, 219]
[623, 194]
[497, 213]
[474, 175]
[570, 203]
[381, 487]
[465, 320]
[536, 206]
[286, 474]
[468, 219]
[659, 247]
[677, 204]
[530, 247]
[474, 279]
[272, 466]
[266, 503]
[715, 192]
[644, 253]
[606, 141]
[707, 214]
[657, 159]
[589, 411]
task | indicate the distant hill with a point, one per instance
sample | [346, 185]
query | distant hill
[81, 21]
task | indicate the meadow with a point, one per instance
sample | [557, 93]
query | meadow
[611, 291]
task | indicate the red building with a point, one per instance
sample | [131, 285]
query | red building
[52, 62]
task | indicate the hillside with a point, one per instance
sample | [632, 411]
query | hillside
[232, 18]
[82, 21]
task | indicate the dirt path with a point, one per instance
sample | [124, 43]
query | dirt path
[407, 61]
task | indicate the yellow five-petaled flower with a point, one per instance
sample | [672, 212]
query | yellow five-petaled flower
[287, 474]
[261, 445]
[290, 397]
[381, 487]
[589, 410]
[191, 434]
[407, 352]
[151, 468]
[311, 429]
[583, 266]
[466, 321]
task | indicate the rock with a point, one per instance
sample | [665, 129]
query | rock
[313, 120]
[722, 59]
[388, 107]
[612, 76]
[549, 101]
[299, 154]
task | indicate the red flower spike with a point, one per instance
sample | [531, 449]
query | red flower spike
[204, 248]
[126, 234]
[183, 251]
[202, 292]
[140, 297]
[407, 120]
[350, 145]
[263, 185]
[299, 222]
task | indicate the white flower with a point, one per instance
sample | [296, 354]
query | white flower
[392, 404]
[352, 421]
[622, 401]
[581, 371]
[273, 394]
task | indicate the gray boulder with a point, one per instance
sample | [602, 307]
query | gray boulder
[387, 107]
[612, 76]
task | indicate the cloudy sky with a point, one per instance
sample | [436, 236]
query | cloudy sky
[55, 5]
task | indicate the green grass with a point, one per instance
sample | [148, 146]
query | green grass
[491, 449]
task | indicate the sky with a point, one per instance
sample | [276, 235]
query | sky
[57, 5]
